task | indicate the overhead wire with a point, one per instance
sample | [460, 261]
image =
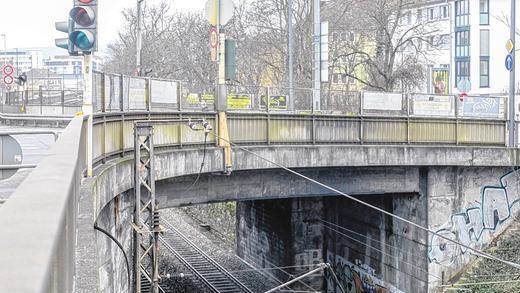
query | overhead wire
[382, 252]
[474, 250]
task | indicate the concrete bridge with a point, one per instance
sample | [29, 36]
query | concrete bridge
[451, 174]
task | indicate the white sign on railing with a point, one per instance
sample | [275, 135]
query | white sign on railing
[433, 105]
[382, 101]
[483, 107]
[163, 92]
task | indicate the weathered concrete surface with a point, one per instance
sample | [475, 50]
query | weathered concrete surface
[453, 179]
[473, 206]
[279, 184]
[116, 219]
[371, 252]
[116, 176]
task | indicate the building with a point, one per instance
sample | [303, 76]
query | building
[475, 58]
[22, 60]
[430, 43]
[481, 31]
[43, 62]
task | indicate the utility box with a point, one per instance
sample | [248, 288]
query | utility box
[231, 60]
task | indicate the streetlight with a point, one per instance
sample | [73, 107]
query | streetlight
[139, 43]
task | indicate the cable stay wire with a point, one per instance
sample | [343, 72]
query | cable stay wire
[474, 250]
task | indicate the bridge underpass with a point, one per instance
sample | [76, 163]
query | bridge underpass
[458, 181]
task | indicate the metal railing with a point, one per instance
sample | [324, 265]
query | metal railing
[113, 132]
[43, 102]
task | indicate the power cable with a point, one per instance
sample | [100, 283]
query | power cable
[375, 240]
[476, 251]
[387, 254]
[201, 165]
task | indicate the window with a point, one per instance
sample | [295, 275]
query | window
[444, 42]
[462, 43]
[461, 13]
[419, 15]
[484, 58]
[484, 12]
[484, 71]
[462, 70]
[445, 11]
[484, 42]
[431, 14]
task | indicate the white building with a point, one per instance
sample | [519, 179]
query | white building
[478, 34]
[22, 60]
[430, 44]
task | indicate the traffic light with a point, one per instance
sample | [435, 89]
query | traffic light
[83, 34]
[66, 27]
[81, 28]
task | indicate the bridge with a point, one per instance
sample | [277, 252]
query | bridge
[450, 172]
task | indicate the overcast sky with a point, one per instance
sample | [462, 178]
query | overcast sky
[30, 23]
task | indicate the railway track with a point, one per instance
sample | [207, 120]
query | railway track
[206, 269]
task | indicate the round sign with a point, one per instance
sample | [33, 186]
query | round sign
[213, 37]
[464, 85]
[8, 69]
[8, 80]
[509, 62]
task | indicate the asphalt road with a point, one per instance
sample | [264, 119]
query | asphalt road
[34, 148]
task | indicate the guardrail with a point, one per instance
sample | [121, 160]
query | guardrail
[39, 220]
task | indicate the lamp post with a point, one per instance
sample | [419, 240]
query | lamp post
[139, 42]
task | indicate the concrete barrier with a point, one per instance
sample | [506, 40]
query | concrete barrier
[38, 242]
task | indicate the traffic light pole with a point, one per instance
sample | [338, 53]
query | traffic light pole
[221, 104]
[87, 106]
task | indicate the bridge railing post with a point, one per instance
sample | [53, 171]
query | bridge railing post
[62, 102]
[361, 120]
[40, 95]
[456, 103]
[408, 101]
[121, 93]
[103, 93]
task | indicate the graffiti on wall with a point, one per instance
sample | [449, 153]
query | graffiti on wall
[356, 277]
[467, 227]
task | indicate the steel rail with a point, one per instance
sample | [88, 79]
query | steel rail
[234, 284]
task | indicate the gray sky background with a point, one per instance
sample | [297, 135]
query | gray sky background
[30, 23]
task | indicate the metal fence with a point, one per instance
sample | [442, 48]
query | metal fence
[120, 93]
[43, 102]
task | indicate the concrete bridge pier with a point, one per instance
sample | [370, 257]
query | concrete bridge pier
[370, 252]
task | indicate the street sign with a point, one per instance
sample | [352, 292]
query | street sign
[8, 80]
[509, 62]
[8, 69]
[226, 11]
[213, 37]
[464, 86]
[510, 46]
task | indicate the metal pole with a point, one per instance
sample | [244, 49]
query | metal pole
[316, 97]
[139, 42]
[512, 123]
[290, 52]
[221, 105]
[87, 106]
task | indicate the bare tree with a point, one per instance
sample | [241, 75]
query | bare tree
[386, 49]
